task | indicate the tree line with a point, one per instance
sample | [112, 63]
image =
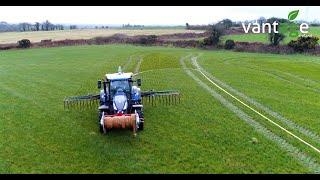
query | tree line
[37, 26]
[132, 26]
[216, 31]
[227, 23]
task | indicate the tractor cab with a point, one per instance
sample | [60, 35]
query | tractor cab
[119, 83]
[118, 92]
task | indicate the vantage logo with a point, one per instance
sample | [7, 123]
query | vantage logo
[289, 27]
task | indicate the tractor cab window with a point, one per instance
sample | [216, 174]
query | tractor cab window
[122, 85]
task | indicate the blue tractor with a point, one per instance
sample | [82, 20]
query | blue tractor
[121, 102]
[119, 99]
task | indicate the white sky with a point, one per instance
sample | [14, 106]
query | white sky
[149, 15]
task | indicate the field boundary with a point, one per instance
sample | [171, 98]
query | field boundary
[162, 40]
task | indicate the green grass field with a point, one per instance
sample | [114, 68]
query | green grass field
[208, 132]
[315, 31]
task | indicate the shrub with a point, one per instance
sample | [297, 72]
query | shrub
[46, 41]
[24, 43]
[214, 32]
[303, 43]
[151, 39]
[185, 43]
[229, 44]
[201, 44]
[7, 46]
[262, 48]
[276, 38]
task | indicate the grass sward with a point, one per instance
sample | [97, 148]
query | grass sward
[197, 136]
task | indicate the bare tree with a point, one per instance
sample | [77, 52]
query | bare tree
[23, 26]
[28, 26]
[46, 26]
[73, 27]
[226, 23]
[37, 26]
[261, 20]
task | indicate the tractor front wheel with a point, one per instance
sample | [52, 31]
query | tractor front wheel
[141, 116]
[101, 129]
[141, 126]
[100, 126]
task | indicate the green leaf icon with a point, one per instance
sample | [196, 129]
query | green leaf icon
[293, 14]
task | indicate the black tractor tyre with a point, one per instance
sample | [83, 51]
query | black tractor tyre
[100, 126]
[141, 116]
[101, 129]
[141, 124]
[100, 115]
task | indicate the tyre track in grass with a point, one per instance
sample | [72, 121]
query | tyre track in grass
[260, 114]
[312, 135]
[133, 61]
[306, 160]
[306, 82]
[5, 89]
[137, 68]
[282, 78]
[125, 66]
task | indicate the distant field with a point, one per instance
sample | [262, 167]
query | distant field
[264, 38]
[13, 37]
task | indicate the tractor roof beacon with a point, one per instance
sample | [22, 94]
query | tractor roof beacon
[120, 101]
